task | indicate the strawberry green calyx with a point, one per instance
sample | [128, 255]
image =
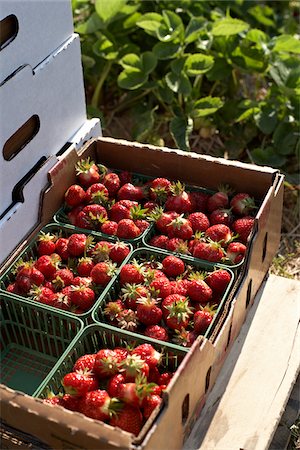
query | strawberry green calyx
[132, 365]
[21, 263]
[137, 212]
[46, 237]
[180, 310]
[84, 165]
[226, 189]
[155, 214]
[127, 320]
[177, 188]
[103, 170]
[197, 275]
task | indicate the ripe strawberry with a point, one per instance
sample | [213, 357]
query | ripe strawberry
[103, 272]
[84, 281]
[61, 248]
[130, 192]
[181, 228]
[235, 252]
[179, 286]
[74, 196]
[79, 383]
[176, 311]
[70, 402]
[148, 353]
[160, 287]
[159, 241]
[133, 393]
[127, 229]
[159, 189]
[62, 278]
[112, 310]
[97, 194]
[83, 297]
[91, 216]
[198, 290]
[219, 233]
[113, 384]
[131, 292]
[199, 221]
[163, 219]
[84, 266]
[127, 320]
[132, 272]
[219, 200]
[178, 199]
[100, 252]
[142, 224]
[46, 243]
[125, 177]
[106, 363]
[77, 244]
[129, 419]
[165, 378]
[87, 172]
[43, 295]
[85, 362]
[119, 211]
[63, 300]
[132, 366]
[27, 277]
[48, 265]
[147, 311]
[202, 320]
[150, 206]
[184, 337]
[149, 404]
[72, 215]
[54, 400]
[118, 252]
[173, 266]
[178, 245]
[157, 332]
[223, 216]
[209, 251]
[218, 280]
[242, 204]
[199, 201]
[243, 227]
[109, 227]
[97, 404]
[112, 183]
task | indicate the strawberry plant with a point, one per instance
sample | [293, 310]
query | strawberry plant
[217, 77]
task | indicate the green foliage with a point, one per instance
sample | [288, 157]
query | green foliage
[225, 69]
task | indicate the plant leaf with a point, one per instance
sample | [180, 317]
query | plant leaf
[206, 106]
[180, 129]
[144, 125]
[107, 10]
[285, 139]
[105, 49]
[131, 79]
[198, 64]
[266, 119]
[149, 61]
[268, 157]
[229, 27]
[179, 83]
[263, 14]
[166, 50]
[286, 43]
[150, 22]
[94, 23]
[194, 28]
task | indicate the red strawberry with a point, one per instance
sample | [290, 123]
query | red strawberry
[84, 266]
[83, 297]
[27, 277]
[130, 192]
[83, 281]
[198, 290]
[87, 172]
[118, 252]
[132, 272]
[176, 311]
[91, 216]
[119, 211]
[142, 224]
[106, 363]
[150, 206]
[61, 248]
[71, 402]
[235, 252]
[242, 204]
[85, 362]
[113, 384]
[219, 200]
[79, 383]
[157, 332]
[127, 320]
[218, 280]
[125, 177]
[219, 233]
[103, 272]
[223, 216]
[243, 227]
[159, 189]
[199, 200]
[133, 393]
[129, 419]
[179, 286]
[63, 300]
[132, 366]
[160, 287]
[147, 311]
[127, 229]
[46, 244]
[148, 353]
[72, 215]
[178, 200]
[97, 404]
[199, 221]
[202, 320]
[97, 194]
[62, 278]
[74, 196]
[159, 241]
[77, 244]
[112, 310]
[163, 219]
[184, 337]
[178, 245]
[180, 227]
[209, 251]
[131, 292]
[100, 252]
[149, 404]
[173, 266]
[112, 183]
[43, 295]
[109, 227]
[48, 265]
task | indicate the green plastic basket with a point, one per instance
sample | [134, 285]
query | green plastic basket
[30, 251]
[145, 254]
[32, 341]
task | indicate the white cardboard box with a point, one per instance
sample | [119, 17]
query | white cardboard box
[32, 30]
[51, 101]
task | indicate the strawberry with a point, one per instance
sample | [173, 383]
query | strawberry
[131, 292]
[112, 310]
[218, 280]
[127, 229]
[119, 211]
[159, 241]
[148, 353]
[198, 290]
[132, 272]
[219, 233]
[127, 320]
[178, 199]
[84, 281]
[28, 276]
[77, 244]
[199, 200]
[179, 286]
[243, 227]
[165, 378]
[109, 227]
[83, 297]
[62, 278]
[43, 295]
[178, 245]
[103, 272]
[223, 216]
[91, 216]
[85, 362]
[199, 221]
[72, 215]
[242, 204]
[48, 265]
[84, 266]
[173, 266]
[125, 177]
[147, 311]
[129, 419]
[235, 252]
[97, 194]
[97, 404]
[130, 192]
[160, 287]
[63, 300]
[180, 227]
[142, 224]
[159, 189]
[209, 251]
[87, 172]
[118, 252]
[46, 243]
[202, 320]
[176, 311]
[112, 183]
[132, 366]
[157, 332]
[113, 384]
[220, 199]
[133, 393]
[149, 404]
[150, 206]
[100, 252]
[79, 383]
[74, 196]
[61, 248]
[70, 402]
[106, 363]
[163, 219]
[184, 337]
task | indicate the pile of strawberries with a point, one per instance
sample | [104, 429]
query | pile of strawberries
[167, 300]
[67, 272]
[121, 387]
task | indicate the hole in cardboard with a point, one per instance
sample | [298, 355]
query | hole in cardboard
[249, 291]
[185, 408]
[264, 251]
[207, 379]
[9, 27]
[229, 336]
[21, 138]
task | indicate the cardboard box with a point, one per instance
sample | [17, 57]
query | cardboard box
[43, 110]
[31, 30]
[196, 375]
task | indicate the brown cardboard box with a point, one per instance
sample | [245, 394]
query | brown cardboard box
[196, 375]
